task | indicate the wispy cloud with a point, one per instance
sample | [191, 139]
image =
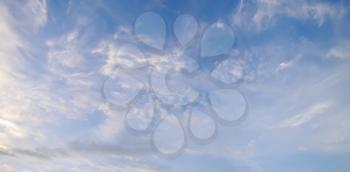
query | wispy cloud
[37, 9]
[264, 13]
[340, 51]
[289, 63]
[307, 115]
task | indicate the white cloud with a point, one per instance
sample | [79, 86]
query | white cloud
[64, 53]
[112, 125]
[230, 70]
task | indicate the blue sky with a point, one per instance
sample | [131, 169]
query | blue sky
[152, 86]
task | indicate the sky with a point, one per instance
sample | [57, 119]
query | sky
[174, 85]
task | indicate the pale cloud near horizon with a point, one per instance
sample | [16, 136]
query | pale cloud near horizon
[12, 80]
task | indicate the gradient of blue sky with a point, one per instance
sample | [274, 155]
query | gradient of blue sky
[54, 57]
